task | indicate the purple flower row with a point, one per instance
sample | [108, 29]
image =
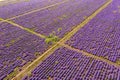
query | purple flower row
[65, 16]
[17, 47]
[101, 36]
[18, 8]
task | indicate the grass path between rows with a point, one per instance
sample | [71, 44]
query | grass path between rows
[23, 28]
[36, 10]
[36, 62]
[91, 55]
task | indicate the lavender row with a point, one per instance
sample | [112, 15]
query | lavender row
[65, 17]
[12, 10]
[17, 48]
[101, 35]
[65, 64]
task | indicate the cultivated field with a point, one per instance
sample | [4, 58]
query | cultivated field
[60, 40]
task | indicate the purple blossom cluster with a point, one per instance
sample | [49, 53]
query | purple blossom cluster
[101, 36]
[17, 47]
[65, 64]
[21, 7]
[65, 16]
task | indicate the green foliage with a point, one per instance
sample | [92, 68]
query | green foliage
[12, 74]
[32, 29]
[118, 62]
[51, 38]
[10, 43]
[59, 29]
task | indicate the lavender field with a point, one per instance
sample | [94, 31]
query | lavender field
[65, 64]
[101, 36]
[60, 40]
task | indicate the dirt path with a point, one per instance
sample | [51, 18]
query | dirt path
[36, 10]
[91, 55]
[23, 28]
